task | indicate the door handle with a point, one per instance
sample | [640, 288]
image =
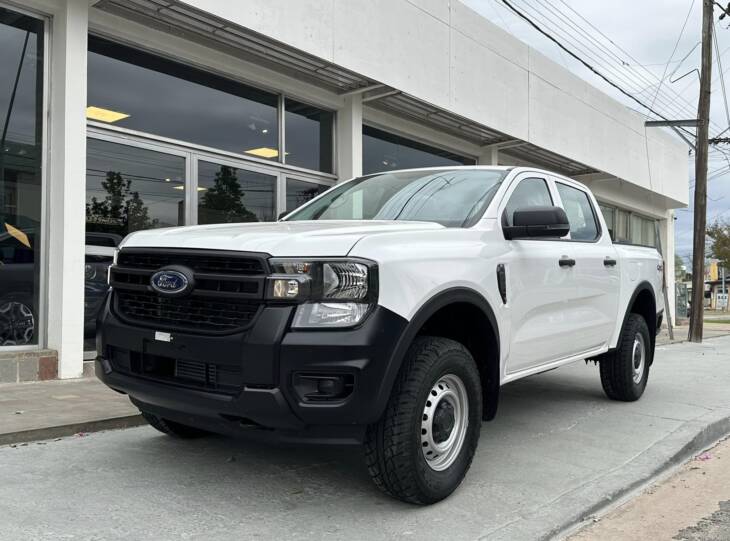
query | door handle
[566, 261]
[609, 262]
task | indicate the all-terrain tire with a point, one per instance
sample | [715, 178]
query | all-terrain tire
[171, 428]
[394, 451]
[619, 376]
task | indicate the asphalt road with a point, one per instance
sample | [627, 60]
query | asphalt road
[558, 451]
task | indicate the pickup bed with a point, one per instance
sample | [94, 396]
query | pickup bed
[386, 312]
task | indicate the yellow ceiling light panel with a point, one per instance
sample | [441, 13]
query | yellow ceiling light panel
[264, 152]
[18, 235]
[104, 115]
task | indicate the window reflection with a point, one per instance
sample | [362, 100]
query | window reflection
[383, 151]
[133, 89]
[228, 194]
[130, 188]
[308, 136]
[21, 87]
[299, 192]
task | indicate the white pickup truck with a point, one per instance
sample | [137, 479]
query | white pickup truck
[387, 312]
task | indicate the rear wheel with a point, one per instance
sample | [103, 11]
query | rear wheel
[625, 371]
[171, 428]
[422, 447]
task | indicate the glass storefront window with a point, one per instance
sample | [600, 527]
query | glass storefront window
[130, 188]
[383, 151]
[127, 189]
[21, 121]
[136, 90]
[299, 192]
[229, 194]
[308, 136]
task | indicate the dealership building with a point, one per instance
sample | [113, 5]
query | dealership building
[120, 115]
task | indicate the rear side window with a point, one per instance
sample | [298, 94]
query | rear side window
[582, 219]
[530, 192]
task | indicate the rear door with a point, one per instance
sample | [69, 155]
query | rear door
[593, 309]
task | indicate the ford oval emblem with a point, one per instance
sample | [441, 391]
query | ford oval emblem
[170, 282]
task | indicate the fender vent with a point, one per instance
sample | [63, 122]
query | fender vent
[502, 282]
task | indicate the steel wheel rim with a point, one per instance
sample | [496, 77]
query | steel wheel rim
[638, 357]
[446, 399]
[17, 324]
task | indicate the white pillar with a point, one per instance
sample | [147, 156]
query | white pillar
[349, 138]
[666, 234]
[489, 155]
[67, 186]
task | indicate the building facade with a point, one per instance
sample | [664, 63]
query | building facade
[120, 115]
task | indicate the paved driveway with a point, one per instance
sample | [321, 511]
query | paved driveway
[557, 451]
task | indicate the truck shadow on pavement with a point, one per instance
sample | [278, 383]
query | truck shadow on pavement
[291, 474]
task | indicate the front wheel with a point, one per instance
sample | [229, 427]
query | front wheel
[422, 447]
[625, 371]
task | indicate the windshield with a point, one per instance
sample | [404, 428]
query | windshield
[452, 198]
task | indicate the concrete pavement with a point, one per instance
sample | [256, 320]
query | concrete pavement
[558, 452]
[50, 409]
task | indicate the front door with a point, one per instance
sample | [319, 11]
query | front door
[540, 288]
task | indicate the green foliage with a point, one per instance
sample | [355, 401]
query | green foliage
[679, 273]
[719, 233]
[121, 211]
[223, 202]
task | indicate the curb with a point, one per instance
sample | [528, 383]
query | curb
[599, 495]
[47, 433]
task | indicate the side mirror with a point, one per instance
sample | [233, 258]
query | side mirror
[281, 215]
[535, 222]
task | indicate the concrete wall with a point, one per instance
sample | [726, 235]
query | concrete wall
[446, 54]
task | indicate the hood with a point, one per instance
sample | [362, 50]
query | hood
[315, 238]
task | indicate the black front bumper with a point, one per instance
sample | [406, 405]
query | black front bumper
[262, 365]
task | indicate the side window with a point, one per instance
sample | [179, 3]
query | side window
[583, 225]
[530, 192]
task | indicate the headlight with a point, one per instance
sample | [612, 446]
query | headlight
[330, 292]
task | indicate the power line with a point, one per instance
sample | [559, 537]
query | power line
[677, 96]
[679, 38]
[579, 59]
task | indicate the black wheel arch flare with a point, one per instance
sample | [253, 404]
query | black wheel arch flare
[490, 387]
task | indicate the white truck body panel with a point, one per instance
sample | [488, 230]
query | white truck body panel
[553, 314]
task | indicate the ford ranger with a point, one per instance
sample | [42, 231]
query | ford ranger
[386, 312]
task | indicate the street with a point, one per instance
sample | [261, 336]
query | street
[558, 452]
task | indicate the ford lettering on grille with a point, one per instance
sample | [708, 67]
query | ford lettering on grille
[169, 282]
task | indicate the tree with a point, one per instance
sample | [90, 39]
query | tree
[121, 211]
[680, 272]
[719, 232]
[223, 202]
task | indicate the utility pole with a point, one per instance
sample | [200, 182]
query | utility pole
[700, 206]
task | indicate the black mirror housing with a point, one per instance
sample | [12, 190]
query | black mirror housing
[537, 222]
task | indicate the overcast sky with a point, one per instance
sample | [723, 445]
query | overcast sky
[648, 31]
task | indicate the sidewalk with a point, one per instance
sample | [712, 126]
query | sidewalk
[559, 452]
[52, 409]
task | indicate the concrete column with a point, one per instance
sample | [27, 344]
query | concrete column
[67, 186]
[349, 138]
[489, 155]
[666, 235]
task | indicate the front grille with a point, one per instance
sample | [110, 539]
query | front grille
[229, 289]
[192, 313]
